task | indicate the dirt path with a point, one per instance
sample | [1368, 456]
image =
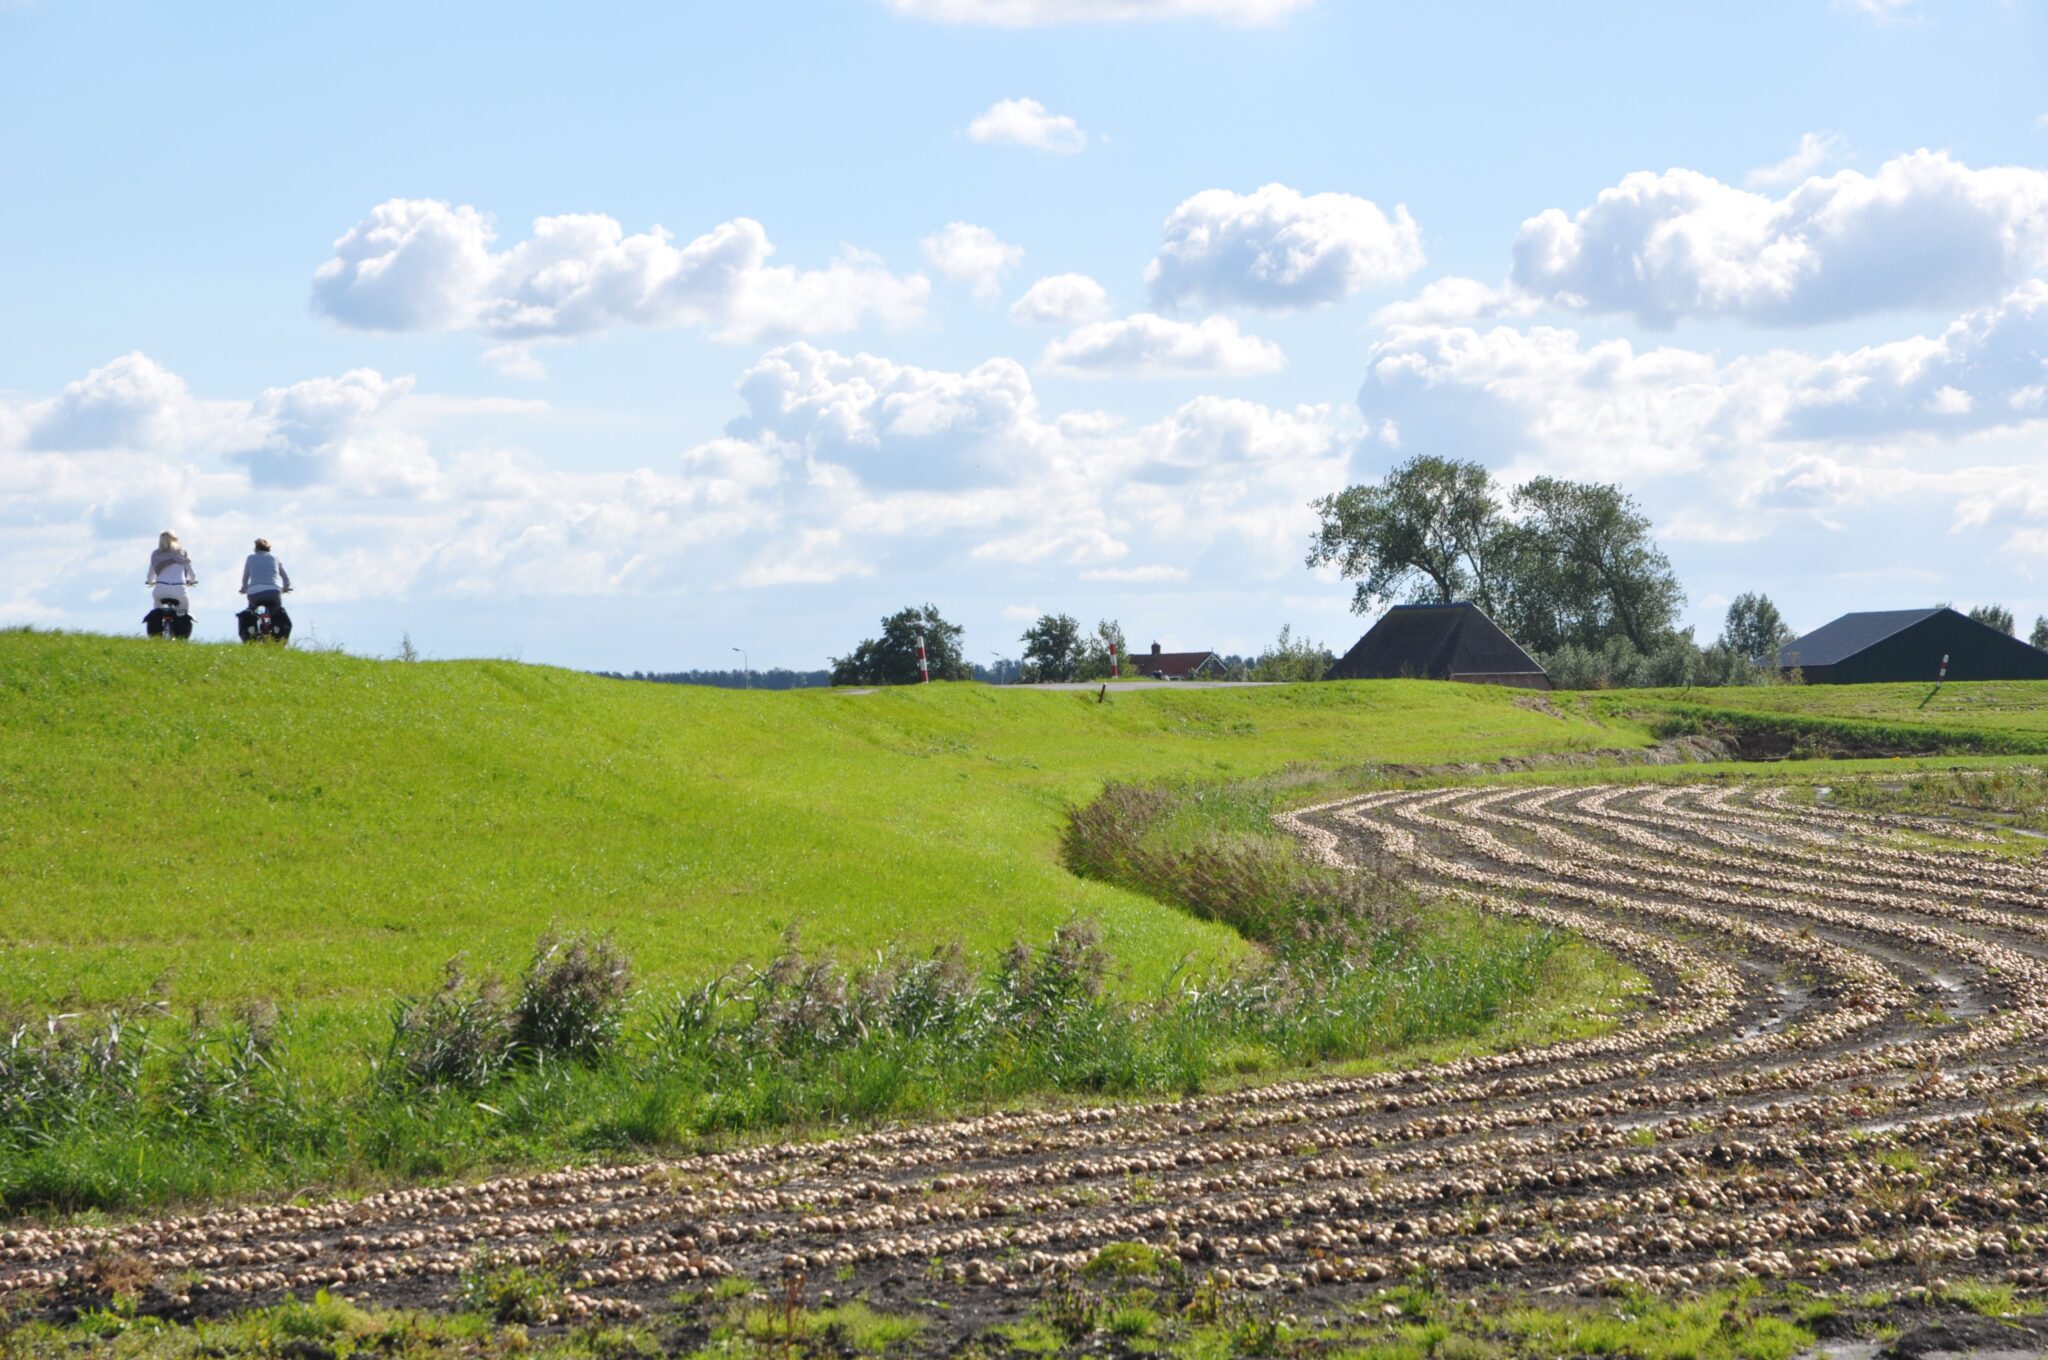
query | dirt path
[1835, 1080]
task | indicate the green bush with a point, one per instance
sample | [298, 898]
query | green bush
[571, 999]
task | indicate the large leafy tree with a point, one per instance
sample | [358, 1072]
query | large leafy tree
[1095, 651]
[1754, 628]
[1052, 648]
[1425, 530]
[1573, 563]
[891, 659]
[2040, 637]
[1996, 616]
[1583, 567]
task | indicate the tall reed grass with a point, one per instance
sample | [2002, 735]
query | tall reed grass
[125, 1111]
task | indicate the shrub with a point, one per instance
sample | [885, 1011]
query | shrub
[572, 998]
[1261, 888]
[571, 1004]
[64, 1072]
[459, 1035]
[1049, 987]
[219, 1073]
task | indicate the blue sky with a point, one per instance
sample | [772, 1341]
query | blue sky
[619, 336]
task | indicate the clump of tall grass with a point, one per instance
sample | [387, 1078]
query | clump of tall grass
[1254, 882]
[222, 1073]
[571, 1004]
[572, 998]
[2015, 795]
[67, 1072]
[475, 1074]
[459, 1034]
[818, 1038]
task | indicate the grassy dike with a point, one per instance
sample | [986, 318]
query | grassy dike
[226, 823]
[202, 837]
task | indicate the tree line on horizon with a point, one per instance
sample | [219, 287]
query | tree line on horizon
[1055, 649]
[1569, 569]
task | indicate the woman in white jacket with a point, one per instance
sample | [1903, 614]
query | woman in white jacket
[170, 571]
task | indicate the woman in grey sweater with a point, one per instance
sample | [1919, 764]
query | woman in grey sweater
[264, 581]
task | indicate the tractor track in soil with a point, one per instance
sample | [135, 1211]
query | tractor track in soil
[1833, 1079]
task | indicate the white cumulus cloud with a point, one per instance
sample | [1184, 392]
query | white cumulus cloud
[1454, 298]
[1026, 122]
[1277, 248]
[840, 466]
[1783, 431]
[895, 425]
[132, 402]
[322, 428]
[1061, 300]
[1145, 345]
[1925, 230]
[974, 255]
[1815, 149]
[426, 265]
[1032, 13]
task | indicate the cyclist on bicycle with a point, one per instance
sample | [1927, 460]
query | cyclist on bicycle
[265, 581]
[170, 571]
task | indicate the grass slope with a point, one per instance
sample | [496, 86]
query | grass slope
[2014, 712]
[325, 830]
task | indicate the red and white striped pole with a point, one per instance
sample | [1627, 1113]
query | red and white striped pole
[1942, 675]
[1113, 671]
[924, 669]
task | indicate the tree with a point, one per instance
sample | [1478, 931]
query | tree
[1573, 564]
[1755, 629]
[1291, 658]
[1052, 648]
[891, 659]
[2040, 637]
[1583, 568]
[1426, 528]
[1995, 616]
[1095, 651]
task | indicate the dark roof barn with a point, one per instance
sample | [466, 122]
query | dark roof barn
[1178, 665]
[1440, 642]
[1894, 645]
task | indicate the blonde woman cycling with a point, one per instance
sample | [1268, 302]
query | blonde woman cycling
[170, 572]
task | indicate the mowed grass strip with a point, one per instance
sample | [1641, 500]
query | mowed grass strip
[2015, 707]
[223, 823]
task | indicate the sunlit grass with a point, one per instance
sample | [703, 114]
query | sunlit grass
[224, 823]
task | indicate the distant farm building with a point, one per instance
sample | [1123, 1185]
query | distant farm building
[1440, 642]
[1909, 645]
[1180, 665]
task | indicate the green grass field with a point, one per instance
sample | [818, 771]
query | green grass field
[199, 827]
[2017, 707]
[203, 827]
[221, 823]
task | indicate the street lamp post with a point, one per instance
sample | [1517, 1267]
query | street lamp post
[999, 666]
[746, 667]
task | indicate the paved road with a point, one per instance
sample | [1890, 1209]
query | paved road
[1120, 687]
[1124, 686]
